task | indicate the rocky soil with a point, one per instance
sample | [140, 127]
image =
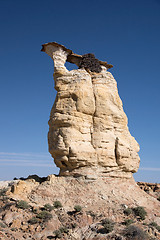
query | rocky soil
[78, 209]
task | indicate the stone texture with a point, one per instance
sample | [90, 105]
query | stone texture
[10, 217]
[100, 198]
[88, 132]
[22, 188]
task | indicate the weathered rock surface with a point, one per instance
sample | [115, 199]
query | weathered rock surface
[88, 133]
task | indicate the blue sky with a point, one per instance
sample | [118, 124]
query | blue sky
[123, 33]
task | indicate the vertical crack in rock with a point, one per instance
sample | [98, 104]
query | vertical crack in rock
[88, 132]
[116, 152]
[92, 130]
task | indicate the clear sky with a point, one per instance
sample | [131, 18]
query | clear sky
[121, 32]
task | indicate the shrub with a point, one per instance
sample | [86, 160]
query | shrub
[22, 204]
[108, 226]
[77, 208]
[127, 211]
[13, 229]
[135, 233]
[158, 228]
[57, 234]
[3, 192]
[127, 222]
[154, 224]
[89, 61]
[48, 207]
[45, 215]
[57, 204]
[140, 211]
[33, 220]
[2, 225]
[106, 221]
[63, 230]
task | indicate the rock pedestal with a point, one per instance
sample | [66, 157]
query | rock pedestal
[88, 132]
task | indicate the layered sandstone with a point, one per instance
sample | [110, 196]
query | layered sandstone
[88, 132]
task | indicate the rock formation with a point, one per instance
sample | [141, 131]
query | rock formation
[88, 132]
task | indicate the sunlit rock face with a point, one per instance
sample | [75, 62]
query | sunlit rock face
[88, 132]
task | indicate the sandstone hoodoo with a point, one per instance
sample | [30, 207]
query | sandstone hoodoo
[88, 133]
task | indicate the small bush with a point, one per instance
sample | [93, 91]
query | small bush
[106, 221]
[127, 211]
[158, 228]
[127, 222]
[45, 215]
[88, 61]
[48, 207]
[63, 230]
[3, 192]
[135, 233]
[108, 226]
[33, 220]
[154, 224]
[22, 204]
[77, 208]
[57, 234]
[140, 211]
[13, 229]
[2, 225]
[57, 204]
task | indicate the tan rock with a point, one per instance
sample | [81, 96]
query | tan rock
[88, 132]
[84, 220]
[25, 227]
[21, 188]
[16, 223]
[53, 224]
[11, 216]
[31, 228]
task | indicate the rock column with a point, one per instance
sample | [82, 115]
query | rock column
[88, 133]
